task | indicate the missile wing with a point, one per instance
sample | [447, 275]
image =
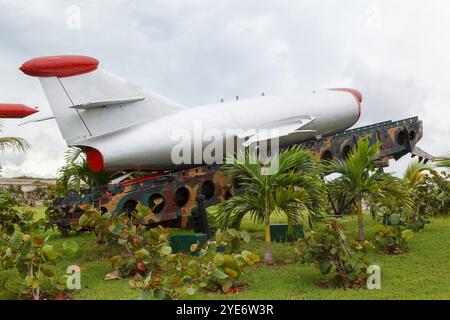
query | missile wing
[106, 103]
[277, 130]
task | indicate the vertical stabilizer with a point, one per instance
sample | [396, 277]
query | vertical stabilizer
[88, 102]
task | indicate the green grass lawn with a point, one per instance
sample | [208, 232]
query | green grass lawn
[423, 273]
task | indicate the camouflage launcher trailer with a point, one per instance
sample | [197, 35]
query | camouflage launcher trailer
[179, 199]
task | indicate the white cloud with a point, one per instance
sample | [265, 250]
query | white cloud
[197, 52]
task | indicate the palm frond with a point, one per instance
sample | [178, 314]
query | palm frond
[413, 174]
[443, 162]
[73, 154]
[230, 213]
[76, 173]
[14, 144]
[294, 188]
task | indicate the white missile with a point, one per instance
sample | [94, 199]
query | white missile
[123, 127]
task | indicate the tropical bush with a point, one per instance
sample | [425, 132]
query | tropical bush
[10, 215]
[145, 256]
[392, 238]
[34, 258]
[417, 224]
[432, 196]
[333, 254]
[422, 193]
[95, 221]
[140, 248]
[144, 250]
[231, 240]
[180, 276]
[400, 203]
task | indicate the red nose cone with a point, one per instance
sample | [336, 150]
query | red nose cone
[59, 66]
[356, 94]
[94, 159]
[15, 111]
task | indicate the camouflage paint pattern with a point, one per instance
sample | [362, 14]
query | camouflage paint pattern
[398, 138]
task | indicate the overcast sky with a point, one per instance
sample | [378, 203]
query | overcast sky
[396, 53]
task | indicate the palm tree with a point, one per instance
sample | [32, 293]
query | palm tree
[413, 178]
[76, 172]
[12, 143]
[294, 189]
[361, 177]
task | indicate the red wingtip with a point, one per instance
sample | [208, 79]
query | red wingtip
[59, 66]
[15, 111]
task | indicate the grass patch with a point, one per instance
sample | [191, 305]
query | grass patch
[420, 274]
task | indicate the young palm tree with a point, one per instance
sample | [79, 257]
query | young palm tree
[361, 176]
[413, 178]
[12, 143]
[294, 189]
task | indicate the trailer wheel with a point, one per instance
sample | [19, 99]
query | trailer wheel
[129, 207]
[346, 150]
[401, 137]
[327, 155]
[208, 189]
[181, 196]
[156, 202]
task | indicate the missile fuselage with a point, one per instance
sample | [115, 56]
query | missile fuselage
[150, 145]
[123, 127]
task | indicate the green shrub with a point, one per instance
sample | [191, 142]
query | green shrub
[10, 215]
[232, 240]
[146, 257]
[417, 223]
[392, 238]
[181, 276]
[34, 258]
[432, 196]
[140, 248]
[333, 254]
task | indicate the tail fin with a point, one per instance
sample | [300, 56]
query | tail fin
[87, 101]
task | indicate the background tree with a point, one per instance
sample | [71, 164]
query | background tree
[361, 177]
[295, 189]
